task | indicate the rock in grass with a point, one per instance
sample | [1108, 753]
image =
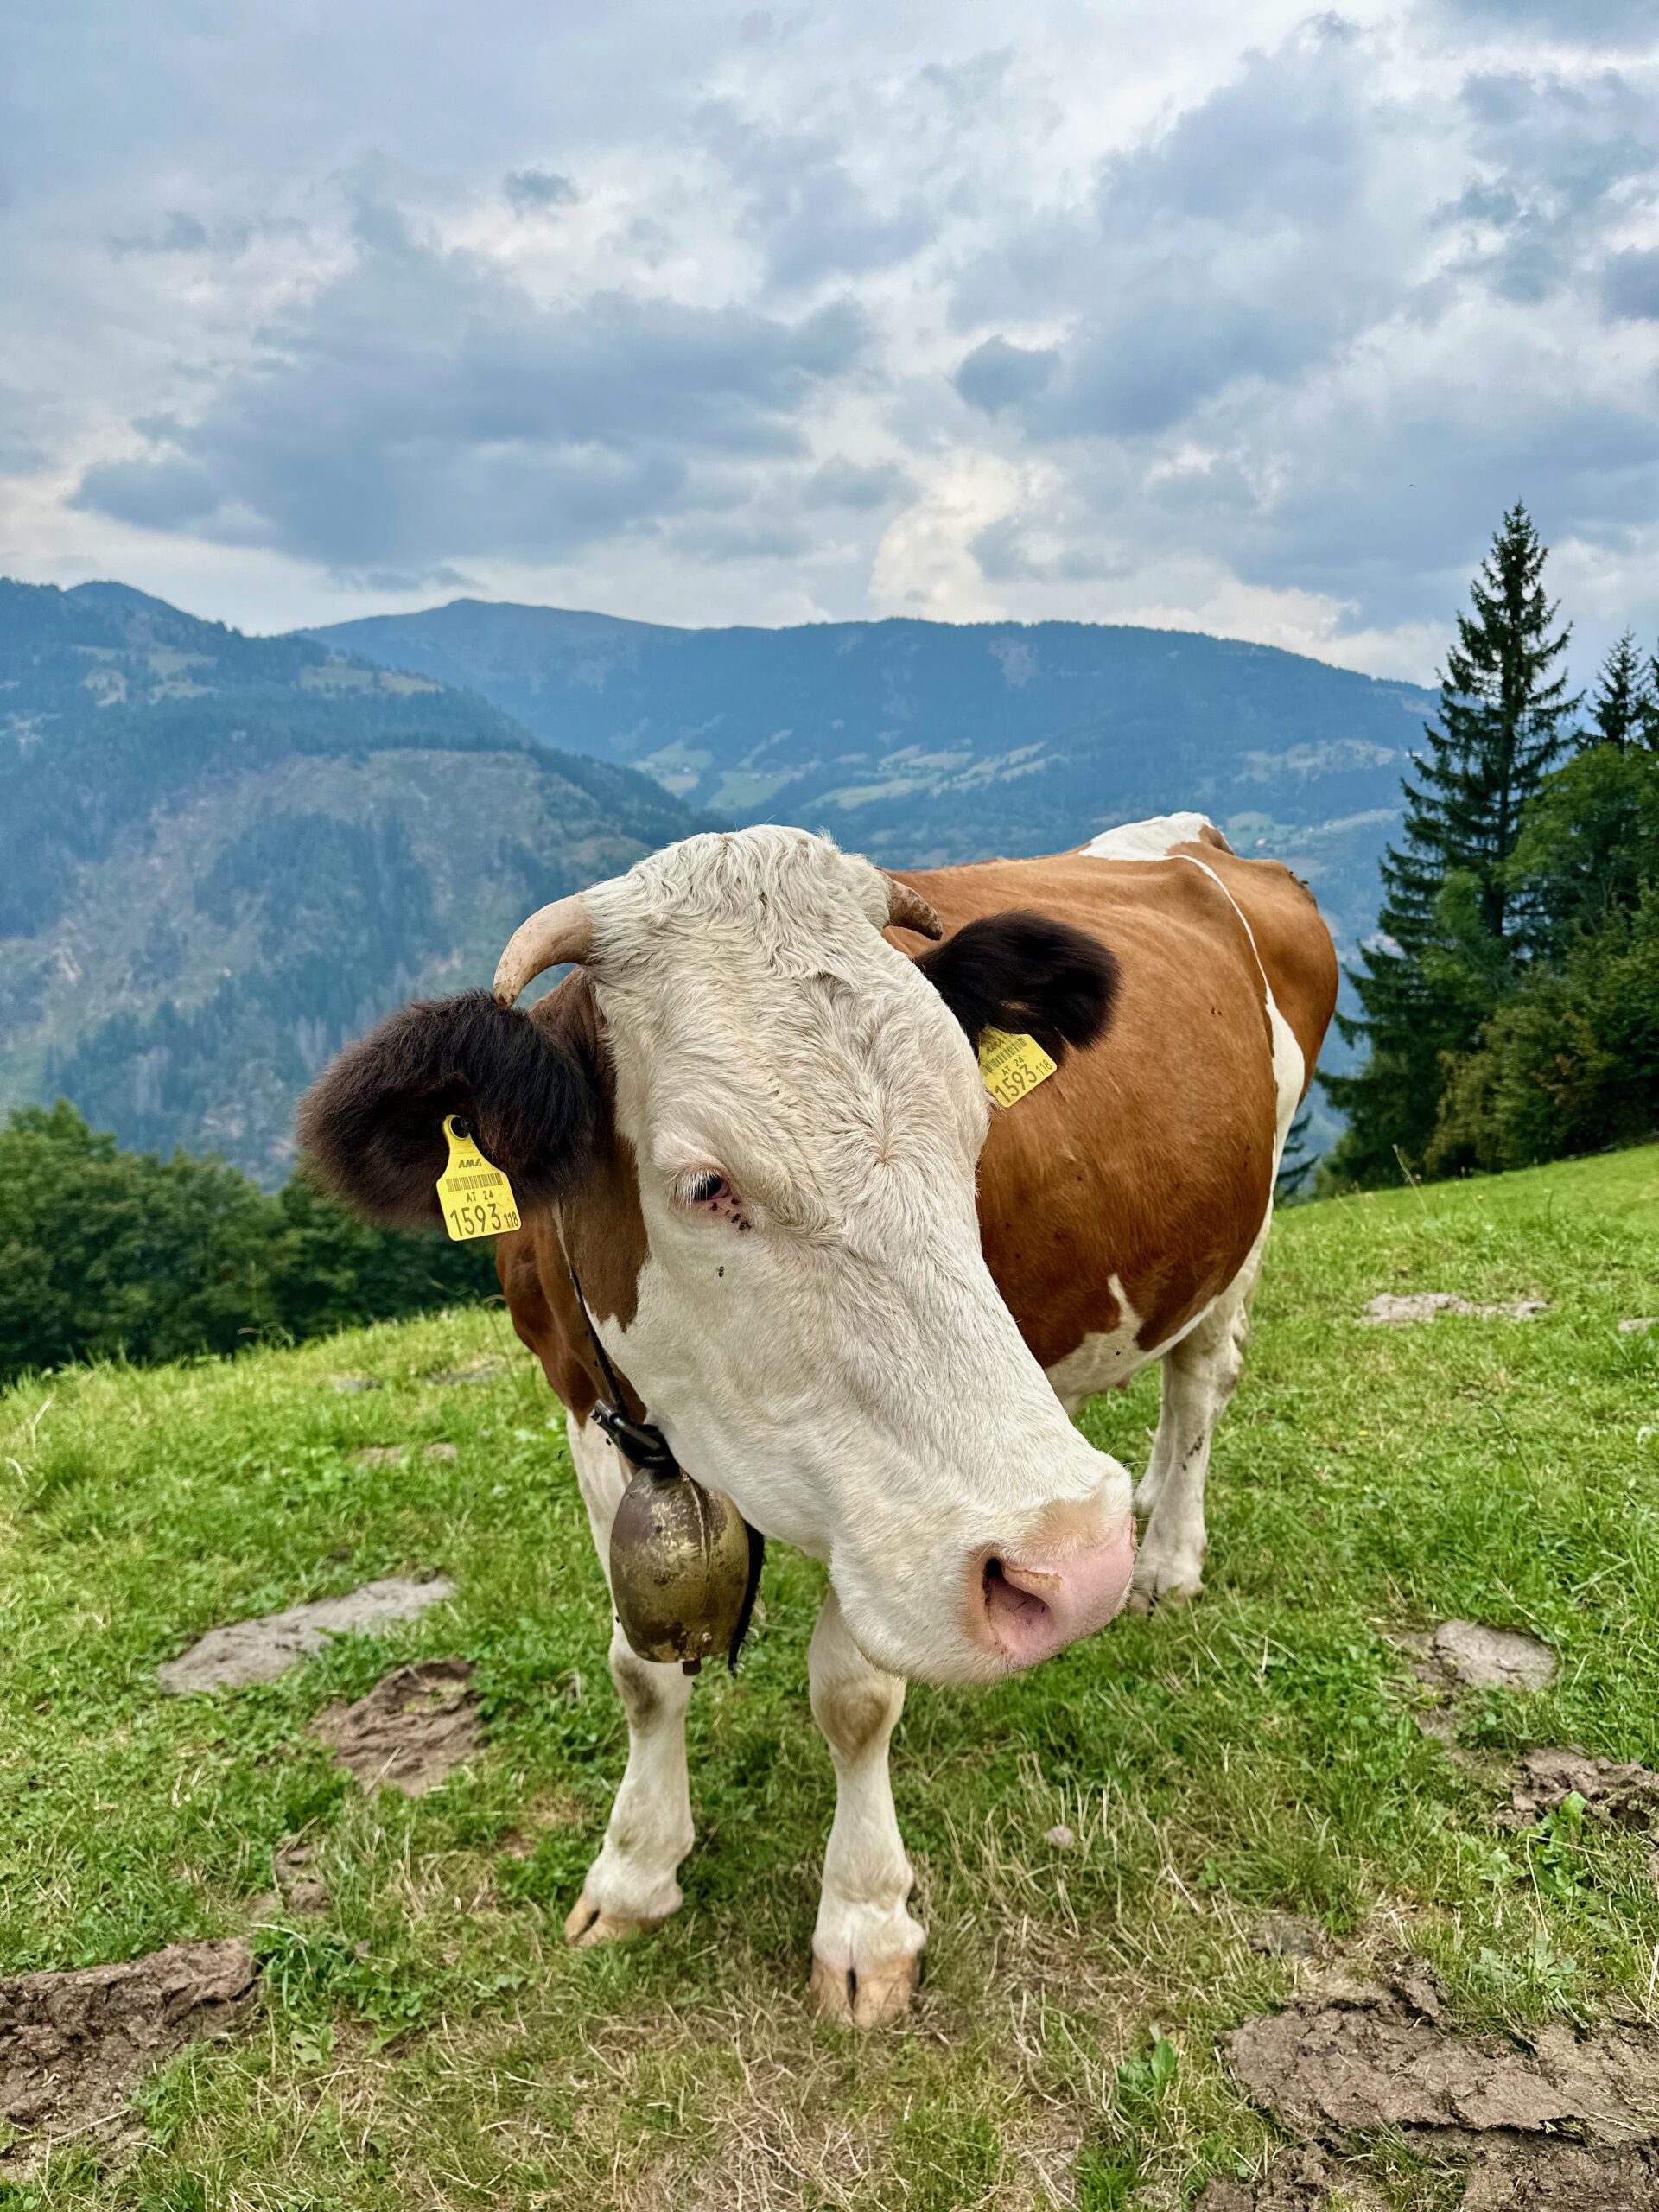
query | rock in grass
[411, 1730]
[260, 1649]
[73, 2045]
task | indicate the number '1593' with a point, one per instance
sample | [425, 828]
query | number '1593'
[484, 1219]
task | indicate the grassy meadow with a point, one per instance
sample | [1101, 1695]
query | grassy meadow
[428, 2040]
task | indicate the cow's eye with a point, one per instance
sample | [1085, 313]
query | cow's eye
[703, 1187]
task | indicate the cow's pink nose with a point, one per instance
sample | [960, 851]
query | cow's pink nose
[1034, 1606]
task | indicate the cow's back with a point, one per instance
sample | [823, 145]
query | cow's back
[1119, 1197]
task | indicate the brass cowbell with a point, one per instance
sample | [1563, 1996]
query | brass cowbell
[680, 1566]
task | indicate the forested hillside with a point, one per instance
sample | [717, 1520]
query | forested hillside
[922, 742]
[225, 856]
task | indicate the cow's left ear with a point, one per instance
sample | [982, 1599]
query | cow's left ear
[1025, 973]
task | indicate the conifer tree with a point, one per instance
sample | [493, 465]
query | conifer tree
[1448, 938]
[1621, 711]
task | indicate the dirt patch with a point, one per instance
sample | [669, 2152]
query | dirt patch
[1534, 2122]
[72, 2045]
[258, 1650]
[1389, 1311]
[561, 1810]
[476, 1371]
[1624, 1793]
[388, 1455]
[349, 1384]
[294, 1868]
[1638, 1324]
[1300, 2180]
[1467, 1654]
[1287, 1935]
[411, 1731]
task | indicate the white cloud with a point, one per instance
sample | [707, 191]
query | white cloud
[1246, 321]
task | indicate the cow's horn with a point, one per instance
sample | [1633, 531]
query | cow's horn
[908, 910]
[563, 930]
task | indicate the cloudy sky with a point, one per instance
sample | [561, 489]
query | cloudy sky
[1242, 319]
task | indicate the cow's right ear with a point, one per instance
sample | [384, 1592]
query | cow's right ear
[1025, 973]
[373, 1122]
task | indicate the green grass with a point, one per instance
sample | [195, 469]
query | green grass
[429, 2041]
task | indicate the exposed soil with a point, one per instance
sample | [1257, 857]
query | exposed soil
[477, 1370]
[1287, 1935]
[1638, 1324]
[1623, 1792]
[294, 1869]
[1299, 2180]
[1466, 1655]
[1389, 1310]
[1564, 2119]
[73, 2045]
[351, 1383]
[411, 1731]
[258, 1650]
[388, 1455]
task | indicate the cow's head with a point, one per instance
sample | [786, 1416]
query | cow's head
[808, 1314]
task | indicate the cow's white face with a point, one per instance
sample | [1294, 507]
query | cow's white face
[816, 1329]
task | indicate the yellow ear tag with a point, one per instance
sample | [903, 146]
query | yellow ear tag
[476, 1198]
[1009, 1067]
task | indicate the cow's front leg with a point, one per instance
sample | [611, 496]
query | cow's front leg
[1200, 1375]
[865, 1946]
[632, 1884]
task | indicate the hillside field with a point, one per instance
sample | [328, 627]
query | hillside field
[1094, 1843]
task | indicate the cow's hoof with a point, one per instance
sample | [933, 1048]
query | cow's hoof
[862, 2000]
[1158, 1586]
[587, 1923]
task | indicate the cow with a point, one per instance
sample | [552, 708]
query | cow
[750, 1124]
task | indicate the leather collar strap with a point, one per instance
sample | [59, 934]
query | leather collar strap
[640, 1442]
[644, 1445]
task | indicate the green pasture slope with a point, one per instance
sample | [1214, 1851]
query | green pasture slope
[429, 2041]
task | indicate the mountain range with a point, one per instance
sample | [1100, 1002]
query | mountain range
[225, 856]
[227, 853]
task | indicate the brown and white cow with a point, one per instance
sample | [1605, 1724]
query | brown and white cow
[853, 1296]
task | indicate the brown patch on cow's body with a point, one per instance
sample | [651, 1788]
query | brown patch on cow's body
[1147, 1156]
[599, 1230]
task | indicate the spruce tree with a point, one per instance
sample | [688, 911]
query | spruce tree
[1622, 709]
[1448, 939]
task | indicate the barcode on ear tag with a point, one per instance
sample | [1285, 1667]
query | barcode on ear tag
[475, 1197]
[1011, 1066]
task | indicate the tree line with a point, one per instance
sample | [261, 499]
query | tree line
[108, 1254]
[1508, 999]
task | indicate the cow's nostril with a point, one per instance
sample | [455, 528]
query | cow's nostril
[1006, 1603]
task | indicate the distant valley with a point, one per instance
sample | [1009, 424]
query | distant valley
[924, 743]
[226, 855]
